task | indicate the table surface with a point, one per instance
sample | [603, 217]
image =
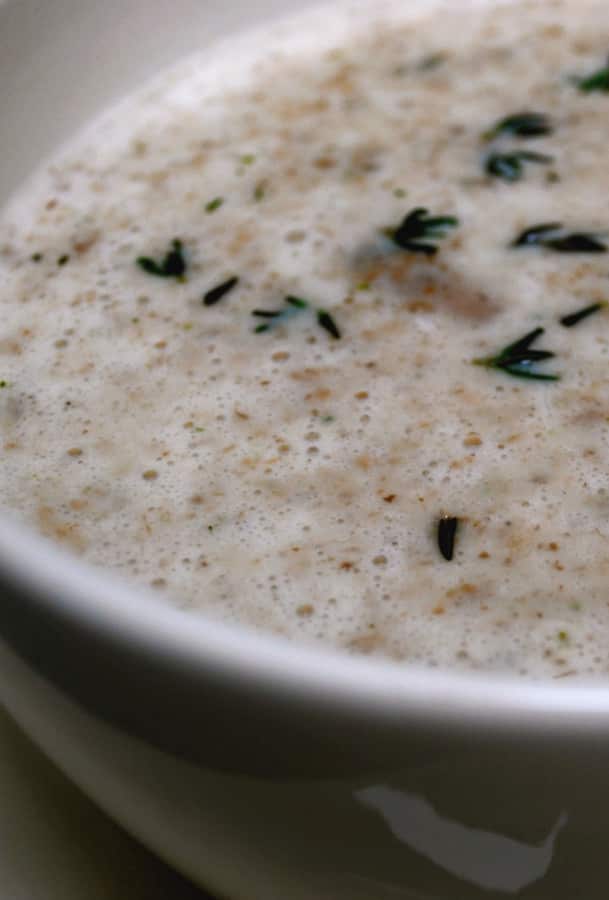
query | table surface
[56, 845]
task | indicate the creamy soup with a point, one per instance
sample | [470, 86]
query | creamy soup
[311, 335]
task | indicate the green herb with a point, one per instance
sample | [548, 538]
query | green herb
[326, 321]
[248, 159]
[292, 305]
[327, 419]
[509, 166]
[548, 235]
[524, 125]
[36, 257]
[3, 383]
[213, 205]
[298, 302]
[431, 62]
[216, 294]
[173, 264]
[598, 81]
[576, 317]
[563, 636]
[447, 533]
[260, 190]
[417, 225]
[518, 358]
[63, 260]
[400, 193]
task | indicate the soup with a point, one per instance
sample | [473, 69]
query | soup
[311, 335]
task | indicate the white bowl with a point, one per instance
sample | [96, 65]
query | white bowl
[261, 770]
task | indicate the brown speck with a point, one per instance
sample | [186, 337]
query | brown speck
[296, 236]
[472, 440]
[324, 163]
[346, 566]
[305, 611]
[553, 547]
[484, 555]
[150, 475]
[75, 451]
[61, 343]
[282, 356]
[158, 583]
[160, 345]
[241, 415]
[419, 306]
[362, 395]
[197, 499]
[380, 561]
[389, 498]
[367, 643]
[438, 610]
[559, 567]
[85, 244]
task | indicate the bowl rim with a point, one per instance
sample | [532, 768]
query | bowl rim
[47, 579]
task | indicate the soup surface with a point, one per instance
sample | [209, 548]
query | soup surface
[311, 335]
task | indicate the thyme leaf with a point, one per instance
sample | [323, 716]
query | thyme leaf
[577, 317]
[298, 302]
[509, 166]
[260, 190]
[418, 225]
[173, 264]
[523, 125]
[447, 533]
[578, 242]
[518, 359]
[216, 294]
[326, 321]
[548, 235]
[213, 205]
[597, 81]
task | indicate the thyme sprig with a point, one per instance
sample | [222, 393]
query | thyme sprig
[510, 166]
[597, 81]
[447, 533]
[293, 305]
[523, 125]
[518, 358]
[173, 264]
[549, 235]
[419, 229]
[577, 317]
